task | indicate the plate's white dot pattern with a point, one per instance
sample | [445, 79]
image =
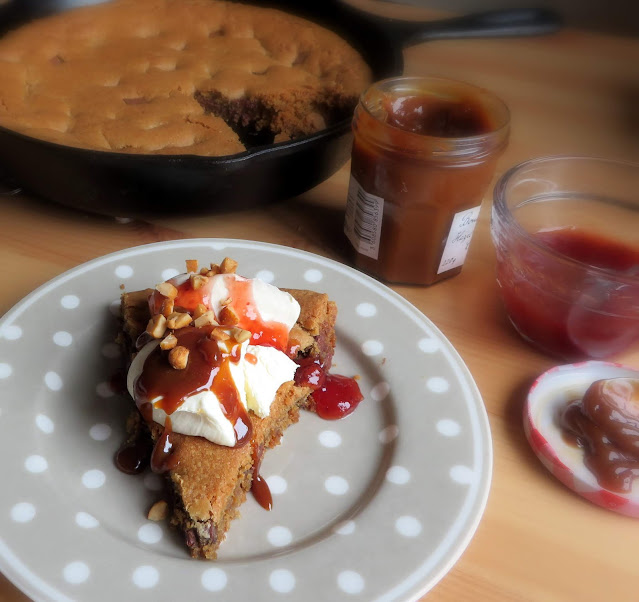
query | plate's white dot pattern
[169, 273]
[462, 475]
[437, 384]
[150, 533]
[282, 581]
[36, 464]
[380, 391]
[448, 427]
[214, 580]
[428, 345]
[11, 332]
[100, 432]
[146, 577]
[389, 434]
[23, 512]
[86, 520]
[5, 370]
[313, 276]
[124, 271]
[93, 479]
[408, 526]
[70, 301]
[279, 536]
[53, 381]
[44, 423]
[266, 276]
[114, 308]
[330, 439]
[336, 485]
[76, 572]
[62, 338]
[372, 347]
[366, 310]
[350, 582]
[347, 528]
[400, 475]
[277, 484]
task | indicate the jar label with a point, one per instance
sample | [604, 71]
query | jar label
[363, 222]
[461, 232]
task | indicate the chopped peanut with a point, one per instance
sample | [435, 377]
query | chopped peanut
[156, 326]
[226, 301]
[240, 335]
[228, 266]
[167, 307]
[191, 265]
[168, 342]
[198, 281]
[178, 320]
[206, 319]
[179, 357]
[159, 511]
[199, 310]
[204, 271]
[219, 334]
[167, 289]
[228, 317]
[215, 268]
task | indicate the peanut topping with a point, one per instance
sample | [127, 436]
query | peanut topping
[167, 289]
[198, 281]
[226, 301]
[168, 342]
[178, 320]
[215, 269]
[240, 335]
[191, 265]
[228, 266]
[199, 310]
[156, 326]
[167, 307]
[219, 334]
[228, 317]
[204, 271]
[206, 319]
[159, 511]
[179, 357]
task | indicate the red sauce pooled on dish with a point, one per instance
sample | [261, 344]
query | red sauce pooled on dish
[590, 319]
[334, 396]
[605, 423]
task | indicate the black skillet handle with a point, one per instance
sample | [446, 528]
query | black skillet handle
[490, 24]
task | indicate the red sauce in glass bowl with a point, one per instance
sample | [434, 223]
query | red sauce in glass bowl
[568, 309]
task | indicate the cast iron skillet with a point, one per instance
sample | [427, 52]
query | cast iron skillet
[127, 185]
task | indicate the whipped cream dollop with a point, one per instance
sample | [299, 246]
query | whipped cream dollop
[259, 365]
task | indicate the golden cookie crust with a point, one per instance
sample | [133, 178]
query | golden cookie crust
[124, 76]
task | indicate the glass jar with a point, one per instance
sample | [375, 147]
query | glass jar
[424, 154]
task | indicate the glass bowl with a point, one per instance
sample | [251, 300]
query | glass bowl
[566, 233]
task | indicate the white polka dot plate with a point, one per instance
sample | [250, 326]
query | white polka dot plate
[377, 506]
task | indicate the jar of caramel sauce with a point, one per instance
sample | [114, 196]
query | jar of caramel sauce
[424, 154]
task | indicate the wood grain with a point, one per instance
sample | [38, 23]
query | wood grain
[571, 92]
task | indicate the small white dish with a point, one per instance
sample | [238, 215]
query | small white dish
[548, 394]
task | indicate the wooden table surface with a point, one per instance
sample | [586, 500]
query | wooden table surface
[570, 92]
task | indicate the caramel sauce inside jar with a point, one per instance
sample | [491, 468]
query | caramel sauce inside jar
[428, 149]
